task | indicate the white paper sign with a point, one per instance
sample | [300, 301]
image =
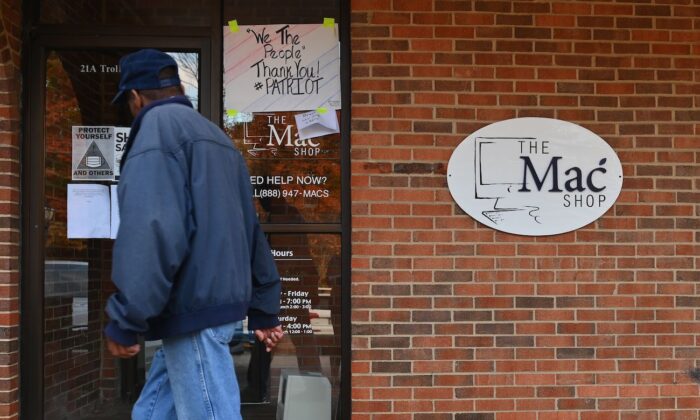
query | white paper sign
[114, 220]
[534, 176]
[121, 135]
[316, 124]
[88, 211]
[281, 67]
[93, 153]
[80, 313]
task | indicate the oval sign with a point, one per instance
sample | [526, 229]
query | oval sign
[534, 176]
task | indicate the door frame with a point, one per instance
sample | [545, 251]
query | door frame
[33, 185]
[37, 40]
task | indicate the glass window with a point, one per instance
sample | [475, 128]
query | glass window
[309, 266]
[281, 71]
[293, 181]
[282, 63]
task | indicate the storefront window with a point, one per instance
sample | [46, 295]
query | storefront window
[283, 112]
[282, 65]
[76, 271]
[309, 266]
[282, 109]
[293, 181]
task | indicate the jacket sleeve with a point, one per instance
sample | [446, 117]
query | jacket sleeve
[265, 302]
[151, 244]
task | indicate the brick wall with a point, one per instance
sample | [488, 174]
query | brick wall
[452, 320]
[10, 35]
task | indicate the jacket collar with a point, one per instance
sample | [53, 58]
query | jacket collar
[136, 125]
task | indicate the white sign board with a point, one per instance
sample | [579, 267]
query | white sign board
[281, 68]
[534, 176]
[316, 124]
[114, 213]
[88, 211]
[121, 135]
[93, 153]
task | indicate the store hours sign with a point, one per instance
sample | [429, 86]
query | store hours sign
[534, 176]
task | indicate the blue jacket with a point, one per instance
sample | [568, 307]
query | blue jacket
[189, 252]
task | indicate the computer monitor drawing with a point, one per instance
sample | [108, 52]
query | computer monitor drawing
[498, 175]
[497, 166]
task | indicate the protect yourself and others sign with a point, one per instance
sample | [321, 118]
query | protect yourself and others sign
[93, 153]
[97, 152]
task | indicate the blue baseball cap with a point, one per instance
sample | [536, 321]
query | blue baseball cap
[139, 70]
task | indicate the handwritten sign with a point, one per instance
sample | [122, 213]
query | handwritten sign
[281, 68]
[316, 124]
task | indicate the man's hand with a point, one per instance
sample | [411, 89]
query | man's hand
[123, 352]
[270, 336]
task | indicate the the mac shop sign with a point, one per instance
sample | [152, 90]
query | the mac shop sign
[534, 176]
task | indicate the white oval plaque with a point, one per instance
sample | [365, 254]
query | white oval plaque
[534, 176]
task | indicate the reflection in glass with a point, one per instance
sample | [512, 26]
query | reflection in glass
[188, 69]
[81, 381]
[294, 180]
[78, 92]
[309, 266]
[297, 182]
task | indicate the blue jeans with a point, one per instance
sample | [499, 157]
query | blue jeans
[192, 378]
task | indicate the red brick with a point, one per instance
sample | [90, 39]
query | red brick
[640, 100]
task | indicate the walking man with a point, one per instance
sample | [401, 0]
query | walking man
[190, 259]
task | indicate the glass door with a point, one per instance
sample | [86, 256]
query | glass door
[83, 135]
[301, 190]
